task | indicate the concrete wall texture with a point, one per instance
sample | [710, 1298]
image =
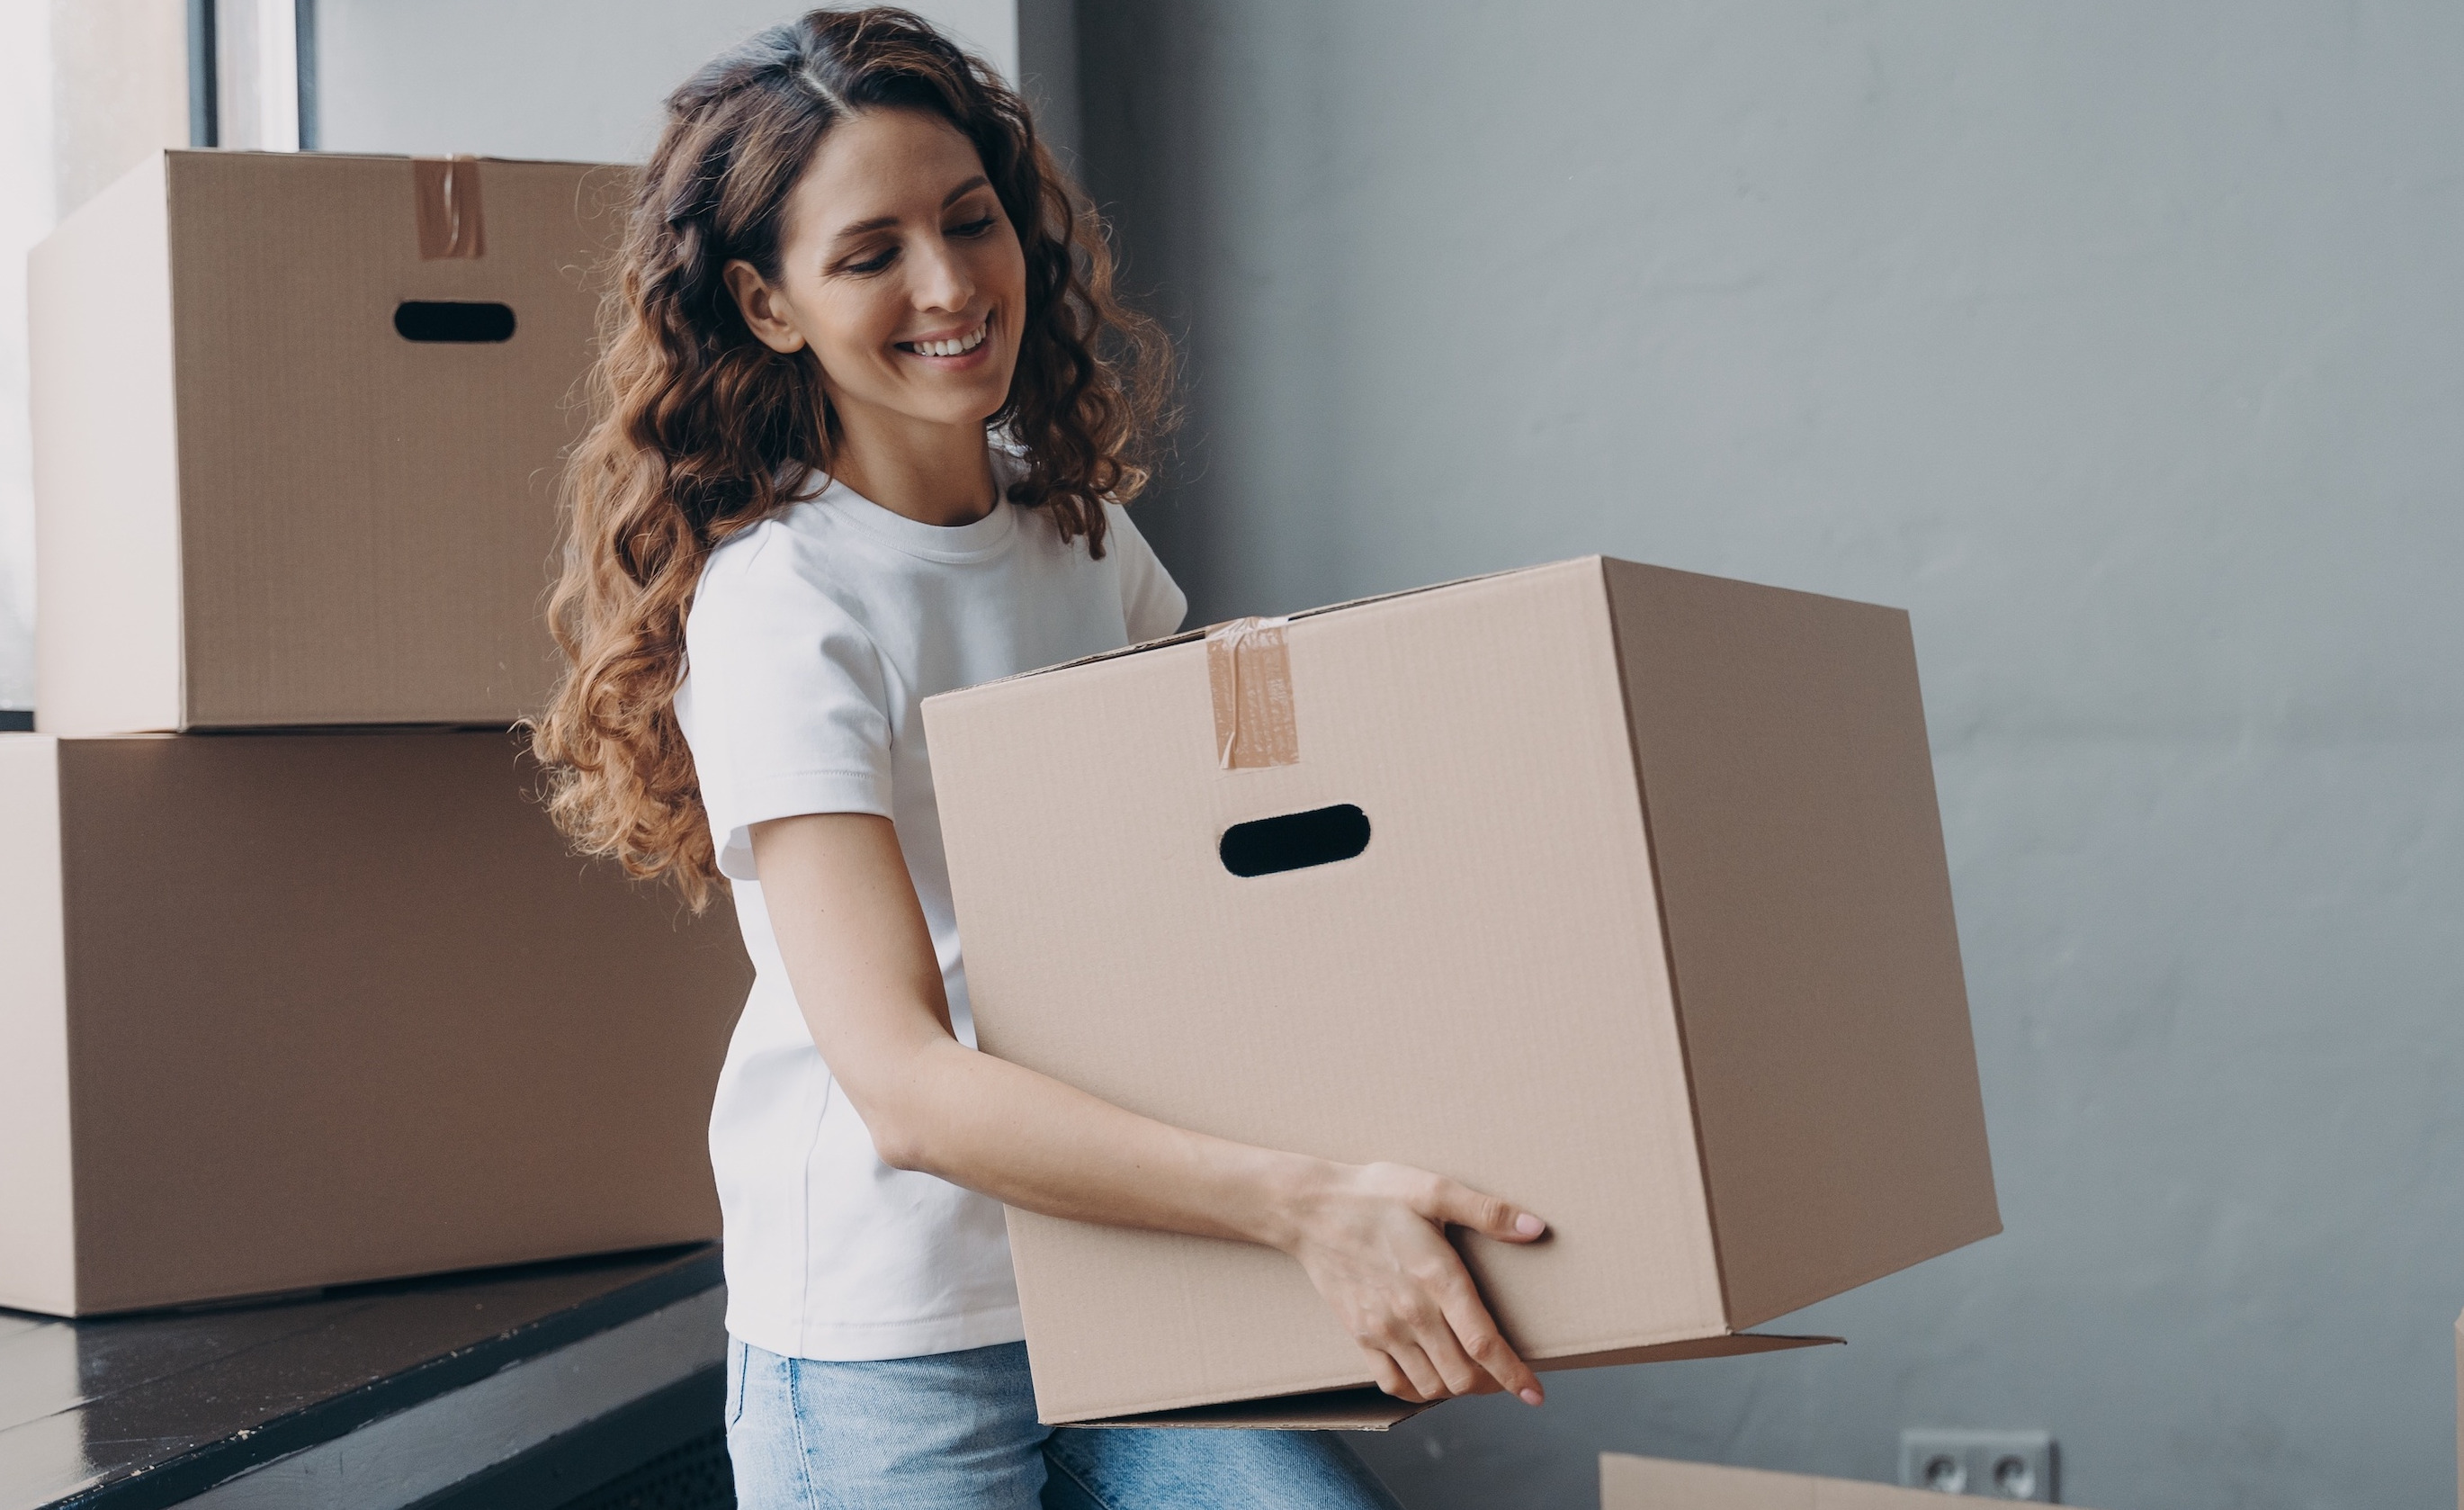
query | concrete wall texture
[2124, 345]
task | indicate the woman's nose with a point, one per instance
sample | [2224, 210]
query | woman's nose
[941, 280]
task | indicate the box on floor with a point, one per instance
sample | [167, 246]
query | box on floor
[1613, 891]
[1628, 1482]
[290, 1010]
[297, 425]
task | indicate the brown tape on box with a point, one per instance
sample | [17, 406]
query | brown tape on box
[452, 223]
[1249, 670]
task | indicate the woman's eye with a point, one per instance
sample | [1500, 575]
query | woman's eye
[973, 228]
[876, 262]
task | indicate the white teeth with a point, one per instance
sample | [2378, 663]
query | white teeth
[952, 349]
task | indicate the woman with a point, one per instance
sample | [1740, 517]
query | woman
[867, 417]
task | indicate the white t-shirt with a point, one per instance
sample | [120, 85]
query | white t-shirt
[813, 640]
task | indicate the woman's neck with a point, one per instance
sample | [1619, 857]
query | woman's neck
[930, 473]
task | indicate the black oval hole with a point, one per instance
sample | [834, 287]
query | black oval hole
[1294, 841]
[429, 319]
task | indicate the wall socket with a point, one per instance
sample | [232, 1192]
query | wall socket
[1992, 1465]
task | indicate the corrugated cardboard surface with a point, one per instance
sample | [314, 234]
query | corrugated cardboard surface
[1481, 993]
[342, 1006]
[106, 464]
[1782, 745]
[1484, 990]
[363, 522]
[1659, 1484]
[38, 1213]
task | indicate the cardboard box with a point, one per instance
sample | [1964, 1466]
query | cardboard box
[1659, 1484]
[295, 450]
[290, 1011]
[1651, 934]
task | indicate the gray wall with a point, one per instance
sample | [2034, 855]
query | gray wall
[2121, 343]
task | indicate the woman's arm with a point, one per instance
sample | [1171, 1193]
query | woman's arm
[1372, 1237]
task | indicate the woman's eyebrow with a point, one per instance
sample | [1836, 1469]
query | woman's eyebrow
[885, 222]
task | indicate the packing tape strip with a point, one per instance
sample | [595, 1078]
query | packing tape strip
[1249, 670]
[452, 223]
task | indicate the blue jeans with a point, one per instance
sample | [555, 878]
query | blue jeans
[958, 1432]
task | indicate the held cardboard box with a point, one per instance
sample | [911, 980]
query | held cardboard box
[290, 1011]
[1614, 890]
[1659, 1484]
[296, 422]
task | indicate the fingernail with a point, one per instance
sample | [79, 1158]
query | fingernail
[1529, 1226]
[1530, 1397]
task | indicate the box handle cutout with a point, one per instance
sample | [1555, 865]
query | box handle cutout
[432, 320]
[1294, 841]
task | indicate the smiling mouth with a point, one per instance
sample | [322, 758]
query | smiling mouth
[957, 347]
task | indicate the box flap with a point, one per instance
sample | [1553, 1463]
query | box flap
[1368, 1410]
[1186, 635]
[1361, 1410]
[372, 157]
[1731, 1345]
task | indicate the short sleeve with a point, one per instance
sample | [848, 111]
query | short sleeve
[1151, 603]
[788, 700]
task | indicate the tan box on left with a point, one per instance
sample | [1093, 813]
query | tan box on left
[296, 422]
[283, 1013]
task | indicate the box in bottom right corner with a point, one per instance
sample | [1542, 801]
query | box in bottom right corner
[1631, 1482]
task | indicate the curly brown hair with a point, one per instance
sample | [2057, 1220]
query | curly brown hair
[699, 431]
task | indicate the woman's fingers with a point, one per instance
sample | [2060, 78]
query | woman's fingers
[1389, 1378]
[1417, 1370]
[1475, 1331]
[1461, 1206]
[1445, 1352]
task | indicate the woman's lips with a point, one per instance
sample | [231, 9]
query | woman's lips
[950, 348]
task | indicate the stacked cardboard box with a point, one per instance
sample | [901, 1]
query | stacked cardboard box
[301, 986]
[1614, 890]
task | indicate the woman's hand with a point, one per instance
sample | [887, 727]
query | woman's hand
[1373, 1240]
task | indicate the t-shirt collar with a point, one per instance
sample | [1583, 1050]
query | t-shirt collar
[976, 541]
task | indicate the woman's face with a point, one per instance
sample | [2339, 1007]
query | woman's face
[900, 271]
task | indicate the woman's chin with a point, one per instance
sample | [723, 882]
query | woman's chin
[940, 403]
[943, 400]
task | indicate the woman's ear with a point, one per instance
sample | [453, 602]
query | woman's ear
[764, 311]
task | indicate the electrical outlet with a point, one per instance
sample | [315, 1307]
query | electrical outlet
[1992, 1465]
